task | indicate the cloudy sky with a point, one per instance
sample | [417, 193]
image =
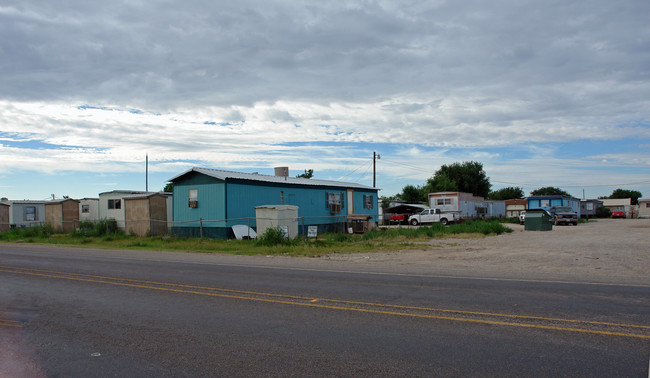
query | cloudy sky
[543, 93]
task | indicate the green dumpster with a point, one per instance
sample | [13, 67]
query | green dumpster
[538, 220]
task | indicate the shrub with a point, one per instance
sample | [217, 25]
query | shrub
[40, 231]
[603, 212]
[101, 228]
[272, 237]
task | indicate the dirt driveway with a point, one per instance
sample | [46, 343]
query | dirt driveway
[606, 250]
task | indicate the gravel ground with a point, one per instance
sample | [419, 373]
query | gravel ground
[606, 250]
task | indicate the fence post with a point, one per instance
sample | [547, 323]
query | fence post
[201, 227]
[304, 236]
[249, 228]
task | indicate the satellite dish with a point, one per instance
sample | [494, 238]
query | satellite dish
[242, 231]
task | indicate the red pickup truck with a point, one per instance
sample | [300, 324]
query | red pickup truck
[398, 218]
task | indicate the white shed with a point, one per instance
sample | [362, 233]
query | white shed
[272, 216]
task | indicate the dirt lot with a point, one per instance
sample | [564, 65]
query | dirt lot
[607, 250]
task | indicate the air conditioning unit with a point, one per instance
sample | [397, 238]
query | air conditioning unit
[194, 204]
[335, 208]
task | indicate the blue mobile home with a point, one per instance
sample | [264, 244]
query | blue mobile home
[209, 202]
[546, 202]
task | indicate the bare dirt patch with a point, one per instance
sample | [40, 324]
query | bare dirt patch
[605, 250]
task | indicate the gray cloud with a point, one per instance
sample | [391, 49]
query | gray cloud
[248, 77]
[169, 53]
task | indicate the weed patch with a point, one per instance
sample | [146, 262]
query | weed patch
[272, 242]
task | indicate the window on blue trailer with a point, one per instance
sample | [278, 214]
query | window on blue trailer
[193, 198]
[334, 202]
[367, 201]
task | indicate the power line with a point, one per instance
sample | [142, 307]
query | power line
[405, 165]
[368, 165]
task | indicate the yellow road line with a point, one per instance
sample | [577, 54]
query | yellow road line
[9, 323]
[148, 285]
[369, 304]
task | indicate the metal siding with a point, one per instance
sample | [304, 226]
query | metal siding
[359, 203]
[243, 197]
[211, 202]
[18, 214]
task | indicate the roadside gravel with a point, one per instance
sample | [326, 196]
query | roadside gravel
[606, 250]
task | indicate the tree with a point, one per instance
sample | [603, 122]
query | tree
[506, 194]
[385, 201]
[549, 191]
[621, 193]
[309, 173]
[440, 183]
[468, 177]
[413, 194]
[169, 188]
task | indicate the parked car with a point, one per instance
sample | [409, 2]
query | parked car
[618, 214]
[563, 215]
[433, 216]
[522, 217]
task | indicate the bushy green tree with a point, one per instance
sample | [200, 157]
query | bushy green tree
[467, 176]
[549, 191]
[413, 194]
[440, 183]
[506, 194]
[622, 193]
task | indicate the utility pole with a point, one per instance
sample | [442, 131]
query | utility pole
[147, 174]
[375, 157]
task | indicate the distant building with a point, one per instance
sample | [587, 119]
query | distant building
[588, 207]
[111, 205]
[5, 207]
[62, 215]
[620, 204]
[514, 207]
[468, 205]
[27, 213]
[89, 209]
[644, 208]
[146, 214]
[546, 202]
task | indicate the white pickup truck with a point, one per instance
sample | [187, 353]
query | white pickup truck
[433, 216]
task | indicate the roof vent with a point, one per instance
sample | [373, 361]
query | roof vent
[282, 171]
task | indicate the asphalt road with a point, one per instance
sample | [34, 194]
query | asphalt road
[75, 312]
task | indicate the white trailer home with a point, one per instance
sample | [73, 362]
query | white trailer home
[468, 205]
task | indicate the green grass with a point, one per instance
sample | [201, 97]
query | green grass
[270, 243]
